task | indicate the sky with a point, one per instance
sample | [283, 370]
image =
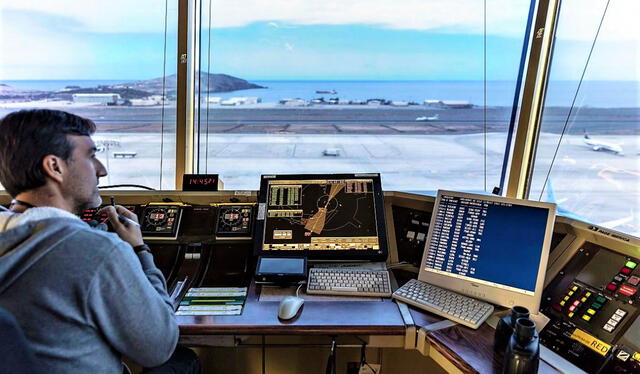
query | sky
[301, 39]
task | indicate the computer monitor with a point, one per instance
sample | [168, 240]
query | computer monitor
[489, 247]
[338, 217]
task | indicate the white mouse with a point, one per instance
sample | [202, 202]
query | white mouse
[289, 307]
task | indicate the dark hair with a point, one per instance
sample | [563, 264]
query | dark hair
[27, 136]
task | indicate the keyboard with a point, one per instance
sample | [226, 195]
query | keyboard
[448, 304]
[353, 282]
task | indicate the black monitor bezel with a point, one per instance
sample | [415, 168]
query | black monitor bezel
[347, 255]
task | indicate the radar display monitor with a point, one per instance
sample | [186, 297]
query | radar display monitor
[489, 247]
[161, 221]
[337, 217]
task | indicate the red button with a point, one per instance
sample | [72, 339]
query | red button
[572, 308]
[575, 303]
[628, 291]
[557, 307]
[612, 287]
[625, 271]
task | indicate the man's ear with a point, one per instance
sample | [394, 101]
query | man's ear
[54, 167]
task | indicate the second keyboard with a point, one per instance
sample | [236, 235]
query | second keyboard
[337, 281]
[448, 304]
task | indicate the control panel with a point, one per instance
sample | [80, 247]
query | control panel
[91, 214]
[161, 221]
[411, 229]
[592, 303]
[234, 220]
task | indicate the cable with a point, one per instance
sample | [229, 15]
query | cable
[264, 355]
[363, 358]
[398, 264]
[299, 287]
[331, 360]
[126, 185]
[573, 103]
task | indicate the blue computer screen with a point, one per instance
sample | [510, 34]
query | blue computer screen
[497, 242]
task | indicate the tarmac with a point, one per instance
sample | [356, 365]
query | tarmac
[599, 186]
[240, 143]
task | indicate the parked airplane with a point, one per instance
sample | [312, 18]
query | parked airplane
[431, 118]
[598, 145]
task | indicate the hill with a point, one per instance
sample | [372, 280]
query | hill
[208, 83]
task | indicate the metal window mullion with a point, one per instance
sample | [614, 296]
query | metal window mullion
[187, 54]
[532, 101]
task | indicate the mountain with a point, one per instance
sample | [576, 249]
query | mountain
[209, 83]
[133, 90]
[9, 92]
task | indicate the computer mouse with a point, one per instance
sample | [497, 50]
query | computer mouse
[289, 307]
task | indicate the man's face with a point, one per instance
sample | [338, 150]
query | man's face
[84, 170]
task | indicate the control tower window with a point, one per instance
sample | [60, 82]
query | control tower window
[112, 62]
[403, 88]
[587, 159]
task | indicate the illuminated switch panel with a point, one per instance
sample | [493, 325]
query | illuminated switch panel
[624, 283]
[627, 290]
[624, 275]
[615, 320]
[566, 301]
[91, 214]
[593, 308]
[576, 302]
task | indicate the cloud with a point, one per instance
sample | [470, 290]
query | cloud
[113, 16]
[579, 20]
[504, 17]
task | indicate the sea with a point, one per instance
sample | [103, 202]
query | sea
[602, 94]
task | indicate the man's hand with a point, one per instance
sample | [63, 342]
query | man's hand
[127, 232]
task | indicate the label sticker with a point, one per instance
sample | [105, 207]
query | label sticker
[623, 356]
[242, 193]
[636, 356]
[262, 209]
[592, 342]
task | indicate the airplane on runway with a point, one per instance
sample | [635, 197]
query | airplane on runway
[431, 118]
[598, 145]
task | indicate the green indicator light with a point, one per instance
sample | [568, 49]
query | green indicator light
[631, 265]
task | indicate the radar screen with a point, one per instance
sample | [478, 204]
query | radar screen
[161, 221]
[335, 216]
[234, 220]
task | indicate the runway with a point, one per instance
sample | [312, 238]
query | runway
[600, 186]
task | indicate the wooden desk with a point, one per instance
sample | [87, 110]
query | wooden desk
[468, 350]
[465, 350]
[315, 318]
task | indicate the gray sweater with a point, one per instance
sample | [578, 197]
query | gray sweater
[82, 296]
